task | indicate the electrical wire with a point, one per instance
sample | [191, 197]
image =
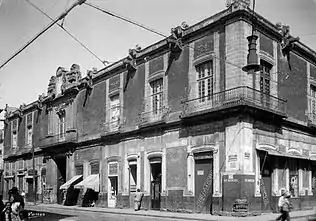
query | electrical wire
[63, 28]
[64, 14]
[165, 36]
[125, 19]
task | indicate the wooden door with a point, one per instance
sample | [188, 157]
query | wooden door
[266, 193]
[203, 185]
[155, 194]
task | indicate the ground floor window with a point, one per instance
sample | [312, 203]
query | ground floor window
[133, 175]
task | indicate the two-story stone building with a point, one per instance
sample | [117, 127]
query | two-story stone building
[179, 120]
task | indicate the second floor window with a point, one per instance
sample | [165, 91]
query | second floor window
[313, 99]
[29, 129]
[265, 77]
[62, 127]
[114, 108]
[157, 96]
[205, 81]
[50, 127]
[14, 130]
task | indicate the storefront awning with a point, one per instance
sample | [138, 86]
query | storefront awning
[74, 179]
[91, 182]
[290, 153]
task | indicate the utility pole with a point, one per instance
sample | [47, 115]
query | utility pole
[60, 17]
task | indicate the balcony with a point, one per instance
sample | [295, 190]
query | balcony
[311, 119]
[113, 126]
[235, 97]
[154, 117]
[69, 139]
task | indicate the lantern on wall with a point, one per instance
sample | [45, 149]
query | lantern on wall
[252, 58]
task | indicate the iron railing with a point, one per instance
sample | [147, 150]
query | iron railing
[112, 126]
[153, 116]
[242, 95]
[57, 139]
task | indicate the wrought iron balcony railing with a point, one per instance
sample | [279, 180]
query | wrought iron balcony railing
[234, 97]
[59, 139]
[112, 126]
[153, 116]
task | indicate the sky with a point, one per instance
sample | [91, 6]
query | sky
[27, 75]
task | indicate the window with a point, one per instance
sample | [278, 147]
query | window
[205, 81]
[1, 136]
[265, 77]
[62, 128]
[50, 127]
[313, 99]
[293, 169]
[115, 108]
[133, 175]
[265, 82]
[157, 95]
[29, 129]
[14, 133]
[94, 167]
[79, 169]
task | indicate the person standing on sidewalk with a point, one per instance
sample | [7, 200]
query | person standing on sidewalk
[138, 199]
[287, 206]
[280, 204]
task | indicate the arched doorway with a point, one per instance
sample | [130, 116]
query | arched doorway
[60, 161]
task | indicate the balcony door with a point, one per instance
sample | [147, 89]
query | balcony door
[265, 83]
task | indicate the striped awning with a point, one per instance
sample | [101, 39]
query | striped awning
[74, 179]
[91, 182]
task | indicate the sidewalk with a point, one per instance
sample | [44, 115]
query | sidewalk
[73, 210]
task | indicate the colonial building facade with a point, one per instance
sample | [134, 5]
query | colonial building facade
[179, 120]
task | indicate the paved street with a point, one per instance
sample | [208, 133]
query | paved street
[74, 213]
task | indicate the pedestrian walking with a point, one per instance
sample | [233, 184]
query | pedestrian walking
[138, 199]
[17, 205]
[2, 208]
[280, 204]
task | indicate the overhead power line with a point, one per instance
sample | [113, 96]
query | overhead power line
[125, 19]
[63, 28]
[63, 15]
[163, 35]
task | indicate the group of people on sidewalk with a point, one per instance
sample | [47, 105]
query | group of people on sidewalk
[13, 209]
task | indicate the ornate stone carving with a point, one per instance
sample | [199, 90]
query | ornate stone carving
[238, 4]
[130, 61]
[40, 100]
[71, 79]
[51, 91]
[20, 110]
[175, 40]
[88, 81]
[61, 71]
[61, 111]
[287, 42]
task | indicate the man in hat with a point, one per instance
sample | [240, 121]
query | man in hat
[17, 202]
[280, 204]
